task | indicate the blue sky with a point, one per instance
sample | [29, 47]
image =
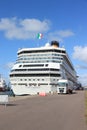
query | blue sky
[62, 20]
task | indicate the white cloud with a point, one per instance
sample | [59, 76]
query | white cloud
[65, 33]
[6, 24]
[83, 79]
[81, 67]
[28, 29]
[23, 28]
[80, 53]
[35, 25]
[59, 35]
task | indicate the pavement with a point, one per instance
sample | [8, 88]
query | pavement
[51, 112]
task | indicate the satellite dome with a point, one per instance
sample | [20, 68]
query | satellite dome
[47, 44]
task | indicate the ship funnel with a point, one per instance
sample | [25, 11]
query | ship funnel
[55, 44]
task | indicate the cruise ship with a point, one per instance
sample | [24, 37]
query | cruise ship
[2, 84]
[38, 70]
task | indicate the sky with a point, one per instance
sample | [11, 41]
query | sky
[61, 20]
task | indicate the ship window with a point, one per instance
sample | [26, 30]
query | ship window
[63, 52]
[42, 84]
[20, 65]
[46, 64]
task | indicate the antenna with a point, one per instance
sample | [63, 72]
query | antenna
[63, 46]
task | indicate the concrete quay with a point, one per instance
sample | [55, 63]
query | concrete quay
[51, 112]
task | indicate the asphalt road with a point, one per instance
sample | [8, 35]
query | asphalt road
[52, 112]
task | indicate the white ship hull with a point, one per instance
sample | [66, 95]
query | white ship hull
[23, 90]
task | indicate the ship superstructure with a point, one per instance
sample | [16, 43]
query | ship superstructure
[39, 69]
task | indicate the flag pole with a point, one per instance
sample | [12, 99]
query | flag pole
[39, 36]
